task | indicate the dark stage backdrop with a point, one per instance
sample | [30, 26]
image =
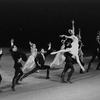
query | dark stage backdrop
[42, 21]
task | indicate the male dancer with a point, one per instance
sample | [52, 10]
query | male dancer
[96, 52]
[40, 63]
[68, 65]
[17, 56]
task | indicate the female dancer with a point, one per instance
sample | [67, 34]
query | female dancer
[30, 64]
[59, 58]
[74, 46]
[80, 52]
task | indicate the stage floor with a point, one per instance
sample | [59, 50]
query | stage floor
[35, 87]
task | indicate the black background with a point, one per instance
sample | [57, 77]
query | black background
[42, 21]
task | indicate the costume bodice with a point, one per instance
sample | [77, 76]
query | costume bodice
[34, 52]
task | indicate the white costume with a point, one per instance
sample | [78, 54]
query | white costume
[30, 63]
[73, 50]
[59, 58]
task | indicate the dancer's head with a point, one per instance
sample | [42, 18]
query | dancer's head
[71, 32]
[32, 45]
[14, 48]
[63, 46]
[68, 43]
[42, 50]
[63, 41]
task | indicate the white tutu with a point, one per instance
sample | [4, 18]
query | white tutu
[29, 65]
[59, 59]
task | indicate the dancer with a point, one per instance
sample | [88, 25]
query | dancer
[75, 46]
[96, 52]
[1, 53]
[80, 52]
[69, 61]
[40, 63]
[30, 63]
[68, 65]
[17, 56]
[59, 58]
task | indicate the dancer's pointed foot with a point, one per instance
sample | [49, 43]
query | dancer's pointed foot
[47, 77]
[87, 70]
[20, 79]
[13, 88]
[18, 83]
[63, 81]
[37, 71]
[81, 72]
[69, 81]
[97, 68]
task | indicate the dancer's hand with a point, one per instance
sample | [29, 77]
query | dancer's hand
[73, 22]
[83, 69]
[53, 53]
[12, 42]
[61, 35]
[30, 43]
[49, 46]
[19, 60]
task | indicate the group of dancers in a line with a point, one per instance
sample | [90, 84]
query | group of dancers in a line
[70, 53]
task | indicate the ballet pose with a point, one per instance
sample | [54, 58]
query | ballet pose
[40, 63]
[17, 56]
[74, 46]
[30, 63]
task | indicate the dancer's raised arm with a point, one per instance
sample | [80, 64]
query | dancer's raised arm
[12, 42]
[66, 36]
[63, 50]
[49, 46]
[73, 27]
[79, 34]
[30, 43]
